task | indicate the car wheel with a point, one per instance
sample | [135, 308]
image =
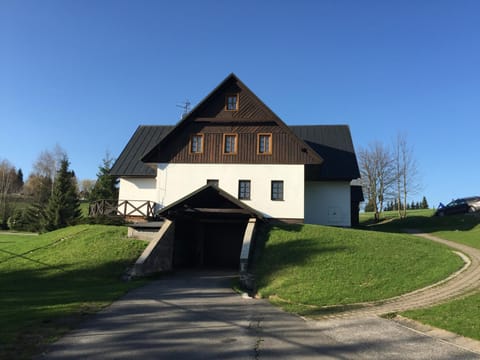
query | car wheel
[471, 209]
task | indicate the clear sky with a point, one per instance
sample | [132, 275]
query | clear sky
[84, 74]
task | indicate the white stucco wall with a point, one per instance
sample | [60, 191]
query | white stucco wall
[327, 203]
[137, 191]
[175, 181]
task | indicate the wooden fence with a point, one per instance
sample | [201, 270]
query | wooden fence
[124, 208]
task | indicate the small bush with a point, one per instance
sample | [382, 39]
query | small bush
[26, 219]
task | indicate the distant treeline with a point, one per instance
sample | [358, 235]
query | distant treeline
[393, 205]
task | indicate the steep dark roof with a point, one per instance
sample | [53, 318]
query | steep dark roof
[142, 141]
[334, 144]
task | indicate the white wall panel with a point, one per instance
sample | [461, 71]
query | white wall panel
[175, 181]
[136, 191]
[327, 203]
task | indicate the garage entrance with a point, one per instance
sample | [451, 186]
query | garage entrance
[209, 243]
[209, 229]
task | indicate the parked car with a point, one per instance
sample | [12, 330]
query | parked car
[459, 206]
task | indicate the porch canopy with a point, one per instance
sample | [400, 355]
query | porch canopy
[209, 201]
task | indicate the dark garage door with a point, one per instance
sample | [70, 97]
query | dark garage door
[208, 243]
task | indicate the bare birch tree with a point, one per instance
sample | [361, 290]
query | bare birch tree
[378, 175]
[406, 174]
[48, 162]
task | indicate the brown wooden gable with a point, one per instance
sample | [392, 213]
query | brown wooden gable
[211, 119]
[250, 107]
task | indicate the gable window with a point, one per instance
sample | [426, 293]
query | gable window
[196, 144]
[277, 190]
[231, 102]
[244, 189]
[230, 144]
[213, 182]
[264, 142]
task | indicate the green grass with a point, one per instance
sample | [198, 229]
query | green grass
[49, 282]
[84, 208]
[305, 268]
[463, 229]
[368, 217]
[458, 316]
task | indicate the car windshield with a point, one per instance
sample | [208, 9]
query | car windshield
[455, 202]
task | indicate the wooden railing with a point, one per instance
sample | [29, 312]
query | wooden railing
[141, 208]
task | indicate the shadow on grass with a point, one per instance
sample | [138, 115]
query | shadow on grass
[39, 304]
[426, 224]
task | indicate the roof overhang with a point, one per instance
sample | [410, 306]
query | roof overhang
[209, 200]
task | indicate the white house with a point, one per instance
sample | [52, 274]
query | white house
[229, 162]
[233, 141]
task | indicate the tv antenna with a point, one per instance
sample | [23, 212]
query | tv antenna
[185, 105]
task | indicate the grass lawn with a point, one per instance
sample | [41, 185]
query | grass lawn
[458, 316]
[307, 267]
[464, 229]
[84, 208]
[49, 282]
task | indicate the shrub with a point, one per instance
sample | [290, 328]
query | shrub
[26, 219]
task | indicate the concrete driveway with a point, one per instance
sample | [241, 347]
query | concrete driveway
[192, 315]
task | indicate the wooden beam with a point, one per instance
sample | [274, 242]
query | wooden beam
[221, 211]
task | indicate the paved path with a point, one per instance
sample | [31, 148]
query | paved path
[198, 316]
[463, 282]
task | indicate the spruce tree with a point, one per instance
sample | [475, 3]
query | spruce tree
[63, 208]
[106, 186]
[424, 203]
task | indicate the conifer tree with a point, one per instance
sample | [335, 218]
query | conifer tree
[106, 185]
[424, 203]
[63, 208]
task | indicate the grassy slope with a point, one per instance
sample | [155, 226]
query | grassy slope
[49, 281]
[459, 316]
[320, 266]
[460, 228]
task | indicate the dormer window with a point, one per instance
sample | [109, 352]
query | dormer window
[196, 144]
[231, 102]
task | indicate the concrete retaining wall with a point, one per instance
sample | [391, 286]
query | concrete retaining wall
[158, 255]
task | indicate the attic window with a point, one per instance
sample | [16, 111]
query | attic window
[196, 144]
[231, 102]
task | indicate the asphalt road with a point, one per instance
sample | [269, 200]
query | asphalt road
[191, 315]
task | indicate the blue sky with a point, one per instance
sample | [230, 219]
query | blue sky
[85, 74]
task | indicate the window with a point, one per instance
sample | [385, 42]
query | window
[231, 102]
[244, 189]
[213, 182]
[196, 144]
[264, 144]
[277, 190]
[230, 144]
